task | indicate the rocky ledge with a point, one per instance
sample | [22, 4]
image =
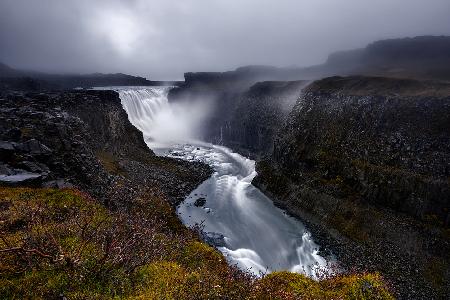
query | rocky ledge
[365, 162]
[84, 139]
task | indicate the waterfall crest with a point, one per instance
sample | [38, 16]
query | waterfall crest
[144, 105]
[161, 122]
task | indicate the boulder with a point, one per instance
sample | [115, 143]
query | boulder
[200, 202]
[59, 183]
[6, 146]
[214, 239]
[21, 179]
[33, 146]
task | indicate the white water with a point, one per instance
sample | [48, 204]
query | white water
[161, 123]
[243, 223]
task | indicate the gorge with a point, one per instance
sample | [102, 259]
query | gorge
[257, 183]
[236, 217]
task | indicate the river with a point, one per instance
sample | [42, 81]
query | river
[234, 215]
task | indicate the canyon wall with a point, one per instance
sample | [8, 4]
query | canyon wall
[244, 116]
[84, 139]
[366, 160]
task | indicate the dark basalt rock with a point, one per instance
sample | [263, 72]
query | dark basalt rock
[7, 146]
[245, 115]
[59, 183]
[214, 239]
[200, 202]
[84, 139]
[364, 161]
[21, 178]
[33, 147]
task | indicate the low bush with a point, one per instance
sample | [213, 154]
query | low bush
[61, 243]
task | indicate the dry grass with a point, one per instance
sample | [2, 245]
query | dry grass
[61, 242]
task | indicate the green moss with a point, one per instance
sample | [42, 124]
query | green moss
[287, 285]
[161, 280]
[199, 255]
[61, 242]
[48, 254]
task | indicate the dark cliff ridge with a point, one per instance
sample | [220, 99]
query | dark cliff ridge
[84, 138]
[366, 160]
[12, 79]
[258, 115]
[245, 115]
[421, 57]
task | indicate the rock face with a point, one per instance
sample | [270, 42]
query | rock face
[367, 160]
[84, 138]
[259, 114]
[245, 118]
[391, 145]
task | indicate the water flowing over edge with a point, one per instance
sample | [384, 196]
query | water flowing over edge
[234, 215]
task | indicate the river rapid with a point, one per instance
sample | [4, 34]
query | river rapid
[235, 216]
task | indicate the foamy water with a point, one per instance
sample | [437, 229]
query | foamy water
[237, 217]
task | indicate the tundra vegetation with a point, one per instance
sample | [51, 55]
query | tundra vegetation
[62, 243]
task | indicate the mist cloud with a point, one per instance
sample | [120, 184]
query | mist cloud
[161, 39]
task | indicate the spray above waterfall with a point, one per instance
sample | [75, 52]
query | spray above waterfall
[160, 122]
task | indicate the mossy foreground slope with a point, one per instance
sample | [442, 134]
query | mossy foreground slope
[61, 243]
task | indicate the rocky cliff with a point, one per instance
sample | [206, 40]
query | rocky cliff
[83, 138]
[366, 162]
[259, 113]
[245, 115]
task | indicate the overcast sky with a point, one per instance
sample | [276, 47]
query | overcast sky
[162, 39]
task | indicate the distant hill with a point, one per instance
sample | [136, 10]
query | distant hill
[92, 80]
[423, 57]
[6, 71]
[419, 57]
[28, 80]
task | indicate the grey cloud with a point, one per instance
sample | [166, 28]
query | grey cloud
[161, 39]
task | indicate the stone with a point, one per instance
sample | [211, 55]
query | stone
[200, 202]
[5, 170]
[58, 183]
[20, 179]
[33, 146]
[214, 239]
[6, 146]
[13, 134]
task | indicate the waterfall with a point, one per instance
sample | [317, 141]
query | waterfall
[144, 105]
[163, 123]
[237, 217]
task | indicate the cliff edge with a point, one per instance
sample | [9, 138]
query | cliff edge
[365, 160]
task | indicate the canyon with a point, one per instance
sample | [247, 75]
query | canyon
[359, 163]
